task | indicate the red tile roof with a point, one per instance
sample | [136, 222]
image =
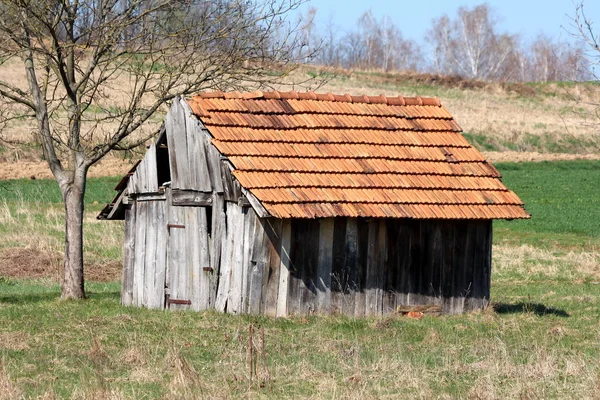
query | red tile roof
[311, 155]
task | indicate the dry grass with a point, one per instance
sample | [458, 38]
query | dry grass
[8, 390]
[530, 262]
[31, 244]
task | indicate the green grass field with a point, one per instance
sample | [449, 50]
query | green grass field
[541, 338]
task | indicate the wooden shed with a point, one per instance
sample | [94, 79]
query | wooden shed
[287, 203]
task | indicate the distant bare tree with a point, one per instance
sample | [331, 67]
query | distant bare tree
[470, 45]
[97, 71]
[378, 44]
[552, 60]
[582, 28]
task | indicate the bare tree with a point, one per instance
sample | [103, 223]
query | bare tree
[582, 28]
[469, 45]
[98, 70]
[552, 60]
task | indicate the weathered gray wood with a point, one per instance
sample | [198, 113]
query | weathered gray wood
[149, 292]
[260, 210]
[218, 233]
[226, 261]
[151, 180]
[161, 255]
[250, 221]
[324, 266]
[236, 290]
[132, 184]
[229, 192]
[177, 258]
[284, 268]
[140, 177]
[199, 176]
[270, 291]
[178, 147]
[149, 197]
[128, 256]
[168, 241]
[140, 253]
[192, 230]
[214, 164]
[192, 198]
[116, 206]
[259, 264]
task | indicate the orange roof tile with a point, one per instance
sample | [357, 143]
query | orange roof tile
[312, 155]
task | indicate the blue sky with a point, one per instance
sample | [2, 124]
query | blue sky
[528, 18]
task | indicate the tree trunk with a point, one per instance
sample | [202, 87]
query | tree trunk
[73, 282]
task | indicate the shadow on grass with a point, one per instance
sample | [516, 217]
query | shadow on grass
[535, 308]
[52, 296]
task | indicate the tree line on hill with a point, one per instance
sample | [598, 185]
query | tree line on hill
[468, 44]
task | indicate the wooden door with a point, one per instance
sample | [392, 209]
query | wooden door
[188, 260]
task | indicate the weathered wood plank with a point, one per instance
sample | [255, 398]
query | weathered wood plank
[324, 265]
[149, 197]
[372, 300]
[203, 267]
[361, 264]
[448, 266]
[416, 256]
[128, 256]
[140, 177]
[304, 256]
[217, 239]
[168, 241]
[249, 222]
[192, 244]
[436, 245]
[234, 304]
[214, 164]
[402, 246]
[140, 253]
[177, 143]
[391, 267]
[273, 230]
[339, 276]
[151, 181]
[192, 198]
[177, 259]
[461, 251]
[161, 255]
[150, 264]
[350, 269]
[260, 210]
[199, 176]
[228, 186]
[226, 261]
[284, 269]
[259, 264]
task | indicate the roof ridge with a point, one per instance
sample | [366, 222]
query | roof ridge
[310, 95]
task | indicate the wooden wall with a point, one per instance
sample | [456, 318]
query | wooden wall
[370, 267]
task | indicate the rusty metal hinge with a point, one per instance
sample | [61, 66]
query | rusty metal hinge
[169, 301]
[174, 226]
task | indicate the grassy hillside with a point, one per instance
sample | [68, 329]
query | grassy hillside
[539, 340]
[551, 119]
